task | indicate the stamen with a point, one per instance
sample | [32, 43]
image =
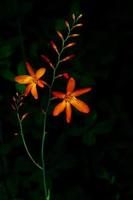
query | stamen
[68, 97]
[75, 99]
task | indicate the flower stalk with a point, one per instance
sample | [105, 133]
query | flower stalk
[24, 142]
[59, 60]
[33, 80]
[17, 103]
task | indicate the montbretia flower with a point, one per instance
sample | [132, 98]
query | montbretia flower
[69, 99]
[32, 80]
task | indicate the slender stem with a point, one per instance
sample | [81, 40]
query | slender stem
[43, 161]
[43, 137]
[46, 112]
[23, 139]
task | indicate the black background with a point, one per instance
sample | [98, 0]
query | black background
[92, 158]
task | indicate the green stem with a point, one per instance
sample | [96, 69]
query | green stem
[23, 139]
[46, 112]
[43, 138]
[43, 161]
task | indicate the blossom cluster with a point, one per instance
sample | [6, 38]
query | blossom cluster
[34, 78]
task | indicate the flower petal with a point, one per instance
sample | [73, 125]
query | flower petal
[59, 108]
[40, 72]
[41, 83]
[23, 79]
[81, 91]
[59, 95]
[29, 69]
[70, 85]
[80, 105]
[28, 89]
[68, 112]
[34, 91]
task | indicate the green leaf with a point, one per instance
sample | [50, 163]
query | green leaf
[21, 68]
[91, 119]
[59, 24]
[48, 196]
[33, 49]
[5, 149]
[66, 162]
[75, 8]
[13, 8]
[20, 88]
[5, 51]
[102, 127]
[7, 74]
[26, 7]
[12, 181]
[89, 138]
[104, 174]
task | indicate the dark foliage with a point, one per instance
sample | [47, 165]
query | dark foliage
[92, 158]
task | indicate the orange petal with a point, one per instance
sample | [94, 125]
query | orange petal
[70, 85]
[70, 45]
[46, 59]
[68, 112]
[23, 79]
[60, 35]
[28, 89]
[79, 17]
[77, 25]
[53, 45]
[80, 105]
[73, 17]
[74, 35]
[34, 91]
[24, 116]
[40, 72]
[67, 58]
[59, 95]
[81, 91]
[59, 108]
[29, 69]
[41, 83]
[67, 25]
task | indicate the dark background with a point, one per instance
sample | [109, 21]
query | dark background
[92, 158]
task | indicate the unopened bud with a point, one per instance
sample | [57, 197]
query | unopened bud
[66, 75]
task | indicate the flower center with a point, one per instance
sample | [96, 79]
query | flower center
[68, 97]
[35, 80]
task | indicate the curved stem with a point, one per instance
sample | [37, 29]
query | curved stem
[23, 139]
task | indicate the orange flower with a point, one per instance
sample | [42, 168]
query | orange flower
[70, 99]
[32, 80]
